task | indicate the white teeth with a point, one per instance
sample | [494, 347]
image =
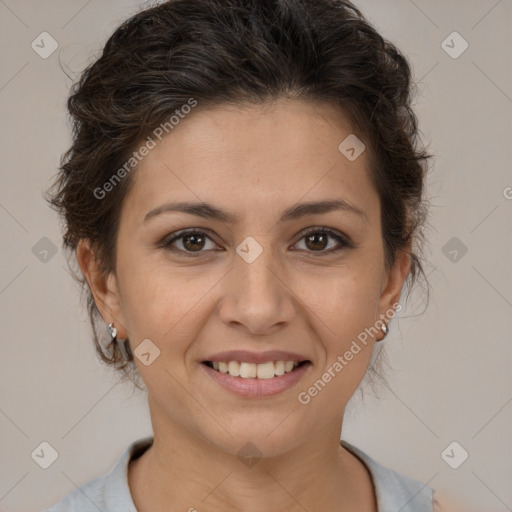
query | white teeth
[279, 367]
[248, 370]
[265, 370]
[251, 370]
[234, 368]
[288, 366]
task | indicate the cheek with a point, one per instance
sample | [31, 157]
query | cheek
[155, 311]
[350, 312]
[148, 298]
[162, 303]
[348, 343]
[352, 301]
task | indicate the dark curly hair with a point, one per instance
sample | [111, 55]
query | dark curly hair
[223, 52]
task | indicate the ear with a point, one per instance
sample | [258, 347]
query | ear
[103, 287]
[393, 281]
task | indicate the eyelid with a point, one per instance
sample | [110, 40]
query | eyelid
[331, 232]
[176, 235]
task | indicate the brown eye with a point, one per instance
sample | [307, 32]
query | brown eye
[317, 240]
[188, 242]
[193, 242]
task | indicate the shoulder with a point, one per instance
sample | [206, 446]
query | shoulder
[108, 492]
[444, 502]
[89, 497]
[394, 490]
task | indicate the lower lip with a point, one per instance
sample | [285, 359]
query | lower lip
[253, 387]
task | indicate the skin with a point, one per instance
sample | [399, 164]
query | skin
[255, 162]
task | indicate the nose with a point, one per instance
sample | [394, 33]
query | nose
[257, 297]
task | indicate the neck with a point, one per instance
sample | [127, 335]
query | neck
[192, 473]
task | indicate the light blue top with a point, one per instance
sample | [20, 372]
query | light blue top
[110, 492]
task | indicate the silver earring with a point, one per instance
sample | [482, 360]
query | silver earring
[385, 330]
[112, 331]
[124, 348]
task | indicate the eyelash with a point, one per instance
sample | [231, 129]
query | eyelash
[167, 242]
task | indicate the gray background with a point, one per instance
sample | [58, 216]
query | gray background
[452, 364]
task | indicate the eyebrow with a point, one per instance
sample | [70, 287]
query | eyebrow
[208, 211]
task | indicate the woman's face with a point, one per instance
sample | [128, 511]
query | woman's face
[254, 282]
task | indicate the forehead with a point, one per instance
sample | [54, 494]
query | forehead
[248, 157]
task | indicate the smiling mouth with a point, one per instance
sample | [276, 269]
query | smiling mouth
[244, 370]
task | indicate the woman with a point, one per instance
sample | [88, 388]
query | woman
[244, 195]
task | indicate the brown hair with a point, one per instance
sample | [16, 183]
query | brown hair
[241, 51]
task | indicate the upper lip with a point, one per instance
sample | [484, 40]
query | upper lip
[247, 356]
